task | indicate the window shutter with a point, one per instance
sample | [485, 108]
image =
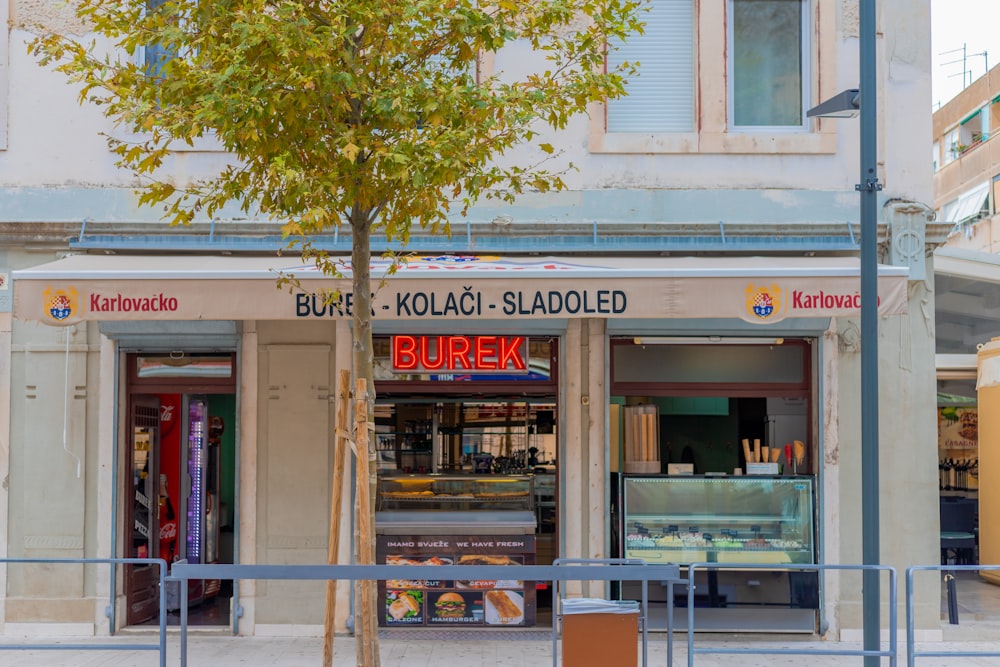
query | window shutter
[661, 97]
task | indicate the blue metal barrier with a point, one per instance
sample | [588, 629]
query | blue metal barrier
[747, 650]
[911, 650]
[553, 573]
[120, 646]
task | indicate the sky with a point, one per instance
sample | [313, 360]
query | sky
[974, 24]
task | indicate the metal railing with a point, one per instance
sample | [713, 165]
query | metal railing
[161, 646]
[911, 650]
[890, 652]
[565, 570]
[551, 573]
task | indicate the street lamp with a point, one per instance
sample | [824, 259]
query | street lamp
[849, 104]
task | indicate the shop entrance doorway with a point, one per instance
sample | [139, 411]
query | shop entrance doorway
[181, 490]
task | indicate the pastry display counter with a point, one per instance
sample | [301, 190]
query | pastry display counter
[729, 520]
[474, 493]
[687, 519]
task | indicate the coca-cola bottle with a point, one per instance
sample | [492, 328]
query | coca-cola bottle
[168, 523]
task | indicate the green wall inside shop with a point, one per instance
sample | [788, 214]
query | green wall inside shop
[224, 405]
[711, 443]
[705, 431]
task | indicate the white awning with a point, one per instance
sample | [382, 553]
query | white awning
[755, 289]
[968, 205]
[968, 264]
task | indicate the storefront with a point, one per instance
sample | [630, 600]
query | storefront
[465, 427]
[631, 366]
[713, 460]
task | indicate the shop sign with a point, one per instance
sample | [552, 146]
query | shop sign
[63, 305]
[446, 289]
[473, 303]
[466, 354]
[772, 303]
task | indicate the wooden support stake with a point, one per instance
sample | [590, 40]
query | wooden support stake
[650, 438]
[336, 507]
[366, 550]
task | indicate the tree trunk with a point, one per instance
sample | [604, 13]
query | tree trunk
[365, 618]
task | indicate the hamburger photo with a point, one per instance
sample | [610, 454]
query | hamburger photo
[450, 605]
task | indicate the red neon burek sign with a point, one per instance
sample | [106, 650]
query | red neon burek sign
[467, 354]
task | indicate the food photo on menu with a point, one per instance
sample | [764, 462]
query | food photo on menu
[404, 607]
[504, 607]
[416, 583]
[488, 559]
[453, 607]
[483, 584]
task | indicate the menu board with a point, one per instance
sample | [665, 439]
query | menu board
[958, 428]
[472, 603]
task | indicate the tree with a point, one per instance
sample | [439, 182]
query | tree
[371, 113]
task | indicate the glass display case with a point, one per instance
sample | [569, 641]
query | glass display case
[689, 519]
[400, 493]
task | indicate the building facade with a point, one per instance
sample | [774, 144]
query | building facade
[693, 289]
[966, 275]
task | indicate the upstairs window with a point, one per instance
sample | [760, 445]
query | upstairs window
[768, 63]
[156, 55]
[661, 97]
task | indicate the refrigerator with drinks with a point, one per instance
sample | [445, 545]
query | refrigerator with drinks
[201, 531]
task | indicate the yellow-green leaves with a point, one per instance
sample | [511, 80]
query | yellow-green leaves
[364, 111]
[351, 151]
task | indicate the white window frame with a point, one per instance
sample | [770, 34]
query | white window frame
[951, 140]
[805, 31]
[712, 135]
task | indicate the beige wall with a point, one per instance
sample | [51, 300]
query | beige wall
[51, 476]
[583, 459]
[296, 366]
[907, 459]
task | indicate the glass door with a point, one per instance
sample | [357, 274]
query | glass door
[142, 589]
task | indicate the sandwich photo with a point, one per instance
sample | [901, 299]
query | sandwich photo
[450, 605]
[504, 608]
[410, 560]
[403, 605]
[485, 559]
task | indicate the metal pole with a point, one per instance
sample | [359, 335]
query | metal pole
[869, 188]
